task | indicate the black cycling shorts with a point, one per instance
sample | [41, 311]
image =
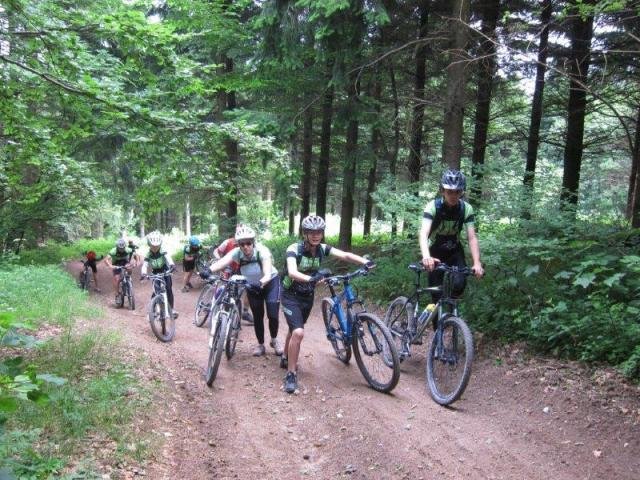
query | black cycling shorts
[188, 265]
[296, 308]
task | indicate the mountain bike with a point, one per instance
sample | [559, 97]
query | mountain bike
[361, 332]
[84, 279]
[205, 300]
[161, 316]
[125, 288]
[451, 351]
[225, 324]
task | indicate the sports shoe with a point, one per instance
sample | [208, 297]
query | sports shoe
[284, 362]
[175, 314]
[247, 317]
[276, 346]
[259, 350]
[290, 382]
[186, 288]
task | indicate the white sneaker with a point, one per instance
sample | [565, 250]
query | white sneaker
[276, 346]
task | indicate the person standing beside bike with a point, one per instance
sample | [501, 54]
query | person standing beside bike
[160, 262]
[91, 262]
[191, 252]
[442, 221]
[263, 284]
[120, 256]
[220, 251]
[302, 274]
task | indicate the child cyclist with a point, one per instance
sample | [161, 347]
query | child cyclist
[191, 252]
[302, 274]
[160, 262]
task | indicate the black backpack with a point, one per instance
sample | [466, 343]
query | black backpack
[439, 216]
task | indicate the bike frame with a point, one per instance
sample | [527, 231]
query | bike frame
[345, 318]
[160, 288]
[230, 297]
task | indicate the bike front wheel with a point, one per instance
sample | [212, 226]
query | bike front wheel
[375, 352]
[234, 331]
[216, 346]
[449, 361]
[85, 279]
[130, 296]
[203, 305]
[162, 327]
[397, 319]
[335, 334]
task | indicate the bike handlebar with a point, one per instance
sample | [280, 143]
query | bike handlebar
[335, 279]
[443, 267]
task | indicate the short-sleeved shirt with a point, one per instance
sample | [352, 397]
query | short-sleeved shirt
[307, 264]
[451, 223]
[191, 251]
[159, 262]
[251, 267]
[120, 257]
[224, 248]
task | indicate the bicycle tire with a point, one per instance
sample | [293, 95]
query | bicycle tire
[120, 295]
[454, 332]
[163, 328]
[335, 335]
[397, 319]
[372, 340]
[203, 305]
[234, 331]
[131, 296]
[85, 280]
[216, 348]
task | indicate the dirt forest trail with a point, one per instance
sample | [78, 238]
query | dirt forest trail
[518, 419]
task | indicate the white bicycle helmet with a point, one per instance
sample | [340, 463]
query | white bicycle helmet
[121, 244]
[245, 233]
[154, 239]
[313, 222]
[453, 180]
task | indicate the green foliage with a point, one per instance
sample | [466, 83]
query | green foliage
[55, 253]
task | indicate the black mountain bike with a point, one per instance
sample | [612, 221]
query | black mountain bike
[451, 351]
[161, 316]
[360, 331]
[225, 324]
[84, 279]
[125, 289]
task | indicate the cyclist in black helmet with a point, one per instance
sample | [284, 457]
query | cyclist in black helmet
[442, 221]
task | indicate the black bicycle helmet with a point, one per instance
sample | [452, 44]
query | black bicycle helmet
[453, 180]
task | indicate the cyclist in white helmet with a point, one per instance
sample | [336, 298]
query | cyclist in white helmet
[302, 274]
[256, 264]
[160, 262]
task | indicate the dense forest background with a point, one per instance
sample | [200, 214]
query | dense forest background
[139, 115]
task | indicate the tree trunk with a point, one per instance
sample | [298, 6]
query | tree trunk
[375, 148]
[454, 107]
[187, 218]
[349, 174]
[415, 158]
[633, 202]
[581, 34]
[393, 154]
[227, 101]
[536, 108]
[486, 73]
[325, 152]
[307, 157]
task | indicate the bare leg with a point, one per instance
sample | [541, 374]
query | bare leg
[293, 348]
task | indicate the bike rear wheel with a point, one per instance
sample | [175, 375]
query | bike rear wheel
[216, 346]
[449, 361]
[397, 319]
[234, 331]
[85, 280]
[204, 304]
[162, 327]
[375, 352]
[334, 332]
[120, 294]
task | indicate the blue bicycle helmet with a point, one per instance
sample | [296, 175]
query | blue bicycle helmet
[194, 241]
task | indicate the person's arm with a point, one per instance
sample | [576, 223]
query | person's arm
[145, 266]
[267, 266]
[348, 256]
[427, 260]
[107, 261]
[169, 260]
[223, 262]
[474, 246]
[292, 270]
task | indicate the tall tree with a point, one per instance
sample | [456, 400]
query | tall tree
[324, 159]
[456, 78]
[579, 60]
[536, 105]
[417, 119]
[307, 158]
[633, 198]
[490, 10]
